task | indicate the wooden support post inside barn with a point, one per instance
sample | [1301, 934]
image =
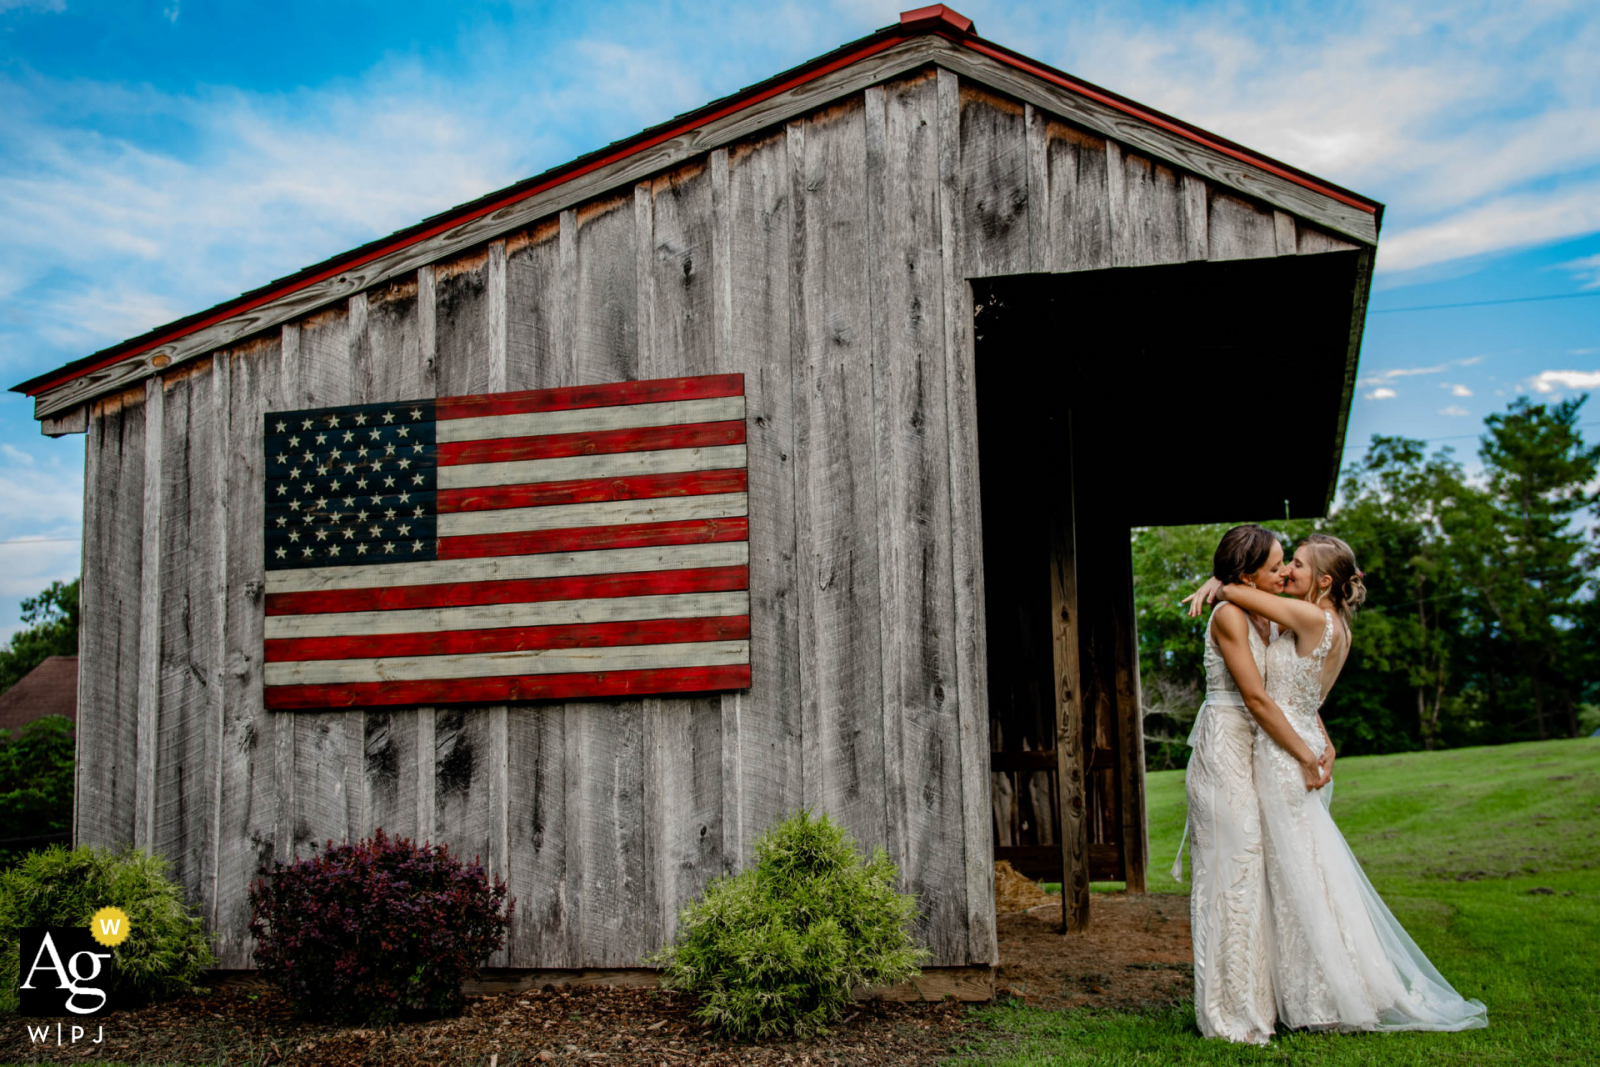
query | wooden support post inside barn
[973, 303]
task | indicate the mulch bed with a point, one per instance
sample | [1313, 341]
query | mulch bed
[1134, 957]
[590, 1026]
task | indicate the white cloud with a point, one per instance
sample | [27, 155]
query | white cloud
[15, 454]
[1585, 270]
[1552, 380]
[1382, 394]
[1454, 411]
[1456, 388]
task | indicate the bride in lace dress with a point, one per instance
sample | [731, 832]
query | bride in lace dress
[1228, 899]
[1339, 959]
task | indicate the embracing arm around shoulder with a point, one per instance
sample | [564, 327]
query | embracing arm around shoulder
[1301, 616]
[1232, 630]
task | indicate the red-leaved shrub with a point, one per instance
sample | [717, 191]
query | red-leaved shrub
[375, 930]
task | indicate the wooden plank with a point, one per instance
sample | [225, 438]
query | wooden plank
[1196, 218]
[532, 306]
[1310, 241]
[966, 549]
[328, 746]
[427, 739]
[911, 412]
[1283, 233]
[188, 645]
[767, 728]
[1043, 862]
[248, 782]
[536, 831]
[283, 726]
[149, 619]
[389, 364]
[611, 918]
[1240, 229]
[677, 289]
[73, 420]
[1147, 210]
[1130, 718]
[840, 626]
[772, 112]
[469, 744]
[994, 185]
[499, 756]
[1066, 636]
[1076, 200]
[109, 664]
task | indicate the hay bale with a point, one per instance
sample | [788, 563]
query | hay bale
[1014, 891]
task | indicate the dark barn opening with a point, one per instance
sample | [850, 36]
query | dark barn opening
[1107, 400]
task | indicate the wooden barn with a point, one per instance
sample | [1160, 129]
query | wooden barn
[983, 314]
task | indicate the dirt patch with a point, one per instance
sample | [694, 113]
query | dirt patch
[1135, 956]
[635, 1027]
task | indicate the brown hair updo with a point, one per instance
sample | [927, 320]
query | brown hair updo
[1243, 550]
[1333, 557]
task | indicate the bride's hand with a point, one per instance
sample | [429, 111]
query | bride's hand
[1326, 760]
[1206, 594]
[1312, 773]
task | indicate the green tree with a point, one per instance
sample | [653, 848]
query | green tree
[35, 781]
[1391, 504]
[52, 619]
[1524, 557]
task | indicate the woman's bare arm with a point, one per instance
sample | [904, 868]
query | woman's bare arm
[1301, 616]
[1232, 629]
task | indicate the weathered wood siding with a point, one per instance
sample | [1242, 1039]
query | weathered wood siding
[826, 259]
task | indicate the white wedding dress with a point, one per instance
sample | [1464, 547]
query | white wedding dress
[1340, 961]
[1228, 911]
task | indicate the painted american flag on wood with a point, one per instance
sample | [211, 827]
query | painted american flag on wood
[557, 543]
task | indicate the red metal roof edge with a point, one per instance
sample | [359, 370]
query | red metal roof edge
[938, 20]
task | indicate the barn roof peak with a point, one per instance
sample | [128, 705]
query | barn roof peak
[933, 35]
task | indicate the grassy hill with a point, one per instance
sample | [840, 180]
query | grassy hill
[1491, 859]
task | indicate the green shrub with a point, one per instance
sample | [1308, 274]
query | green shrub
[779, 948]
[165, 951]
[366, 932]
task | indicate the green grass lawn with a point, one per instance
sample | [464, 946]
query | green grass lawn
[1456, 842]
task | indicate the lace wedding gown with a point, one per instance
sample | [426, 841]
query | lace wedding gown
[1227, 900]
[1340, 961]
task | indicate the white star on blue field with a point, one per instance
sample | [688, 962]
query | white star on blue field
[159, 156]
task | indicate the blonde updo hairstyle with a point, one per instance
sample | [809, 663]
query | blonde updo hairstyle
[1330, 556]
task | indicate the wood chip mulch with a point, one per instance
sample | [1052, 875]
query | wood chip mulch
[633, 1027]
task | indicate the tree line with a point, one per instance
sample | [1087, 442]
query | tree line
[1481, 617]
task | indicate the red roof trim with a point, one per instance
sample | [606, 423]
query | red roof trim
[938, 24]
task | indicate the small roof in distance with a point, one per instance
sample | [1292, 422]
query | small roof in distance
[51, 688]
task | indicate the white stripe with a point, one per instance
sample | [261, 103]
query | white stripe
[494, 616]
[584, 420]
[605, 465]
[600, 513]
[496, 664]
[499, 568]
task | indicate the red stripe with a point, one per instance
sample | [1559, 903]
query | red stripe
[519, 591]
[511, 639]
[587, 538]
[652, 391]
[592, 443]
[588, 490]
[507, 689]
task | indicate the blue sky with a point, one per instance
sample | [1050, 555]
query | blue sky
[157, 156]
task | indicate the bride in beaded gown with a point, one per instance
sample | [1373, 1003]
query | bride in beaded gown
[1339, 959]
